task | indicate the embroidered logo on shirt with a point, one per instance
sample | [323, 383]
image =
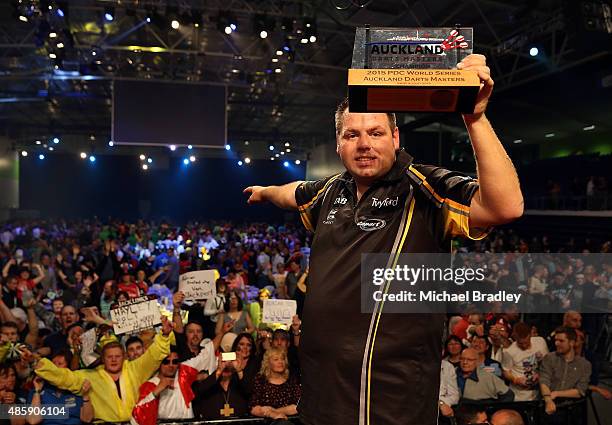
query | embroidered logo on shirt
[340, 200]
[387, 202]
[331, 216]
[371, 224]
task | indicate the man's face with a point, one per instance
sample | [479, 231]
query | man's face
[479, 344]
[108, 288]
[563, 344]
[10, 333]
[280, 342]
[524, 343]
[135, 350]
[573, 320]
[12, 284]
[60, 361]
[468, 360]
[68, 316]
[113, 360]
[57, 306]
[169, 366]
[366, 145]
[194, 334]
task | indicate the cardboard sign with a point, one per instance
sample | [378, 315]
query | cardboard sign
[135, 315]
[88, 345]
[279, 311]
[198, 285]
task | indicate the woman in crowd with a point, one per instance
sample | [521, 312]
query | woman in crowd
[247, 359]
[275, 394]
[234, 312]
[453, 348]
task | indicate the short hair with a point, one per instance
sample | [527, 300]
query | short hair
[265, 363]
[132, 340]
[467, 414]
[521, 330]
[112, 344]
[66, 354]
[511, 417]
[281, 333]
[569, 332]
[193, 322]
[343, 107]
[9, 325]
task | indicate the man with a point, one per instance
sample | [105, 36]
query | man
[362, 378]
[563, 375]
[521, 362]
[134, 347]
[507, 417]
[471, 415]
[115, 383]
[481, 345]
[292, 278]
[58, 341]
[476, 384]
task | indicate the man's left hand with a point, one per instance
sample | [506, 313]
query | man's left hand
[478, 63]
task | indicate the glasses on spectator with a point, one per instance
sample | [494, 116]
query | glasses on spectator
[168, 361]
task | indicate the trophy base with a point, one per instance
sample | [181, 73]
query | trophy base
[407, 90]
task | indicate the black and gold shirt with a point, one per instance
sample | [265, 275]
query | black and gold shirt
[374, 369]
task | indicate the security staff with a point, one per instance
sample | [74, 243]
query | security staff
[379, 368]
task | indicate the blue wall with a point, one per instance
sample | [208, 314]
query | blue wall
[63, 185]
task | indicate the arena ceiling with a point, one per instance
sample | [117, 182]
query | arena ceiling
[273, 98]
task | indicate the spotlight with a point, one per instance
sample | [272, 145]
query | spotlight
[247, 160]
[60, 45]
[149, 160]
[274, 60]
[51, 148]
[282, 153]
[549, 135]
[189, 147]
[186, 161]
[92, 158]
[52, 34]
[287, 144]
[228, 147]
[56, 140]
[38, 142]
[192, 158]
[233, 27]
[286, 163]
[279, 53]
[534, 51]
[277, 155]
[304, 40]
[145, 167]
[297, 162]
[83, 155]
[272, 158]
[142, 157]
[41, 156]
[263, 34]
[240, 163]
[517, 141]
[24, 153]
[175, 24]
[278, 70]
[313, 39]
[148, 20]
[271, 147]
[52, 56]
[228, 30]
[23, 18]
[288, 150]
[60, 12]
[589, 128]
[111, 143]
[109, 13]
[172, 148]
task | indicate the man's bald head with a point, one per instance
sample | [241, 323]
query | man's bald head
[507, 417]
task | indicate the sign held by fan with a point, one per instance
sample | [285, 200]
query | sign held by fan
[411, 70]
[279, 311]
[135, 315]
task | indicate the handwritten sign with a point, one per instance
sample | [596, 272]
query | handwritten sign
[135, 315]
[88, 345]
[199, 285]
[279, 311]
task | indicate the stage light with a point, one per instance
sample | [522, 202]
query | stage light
[287, 144]
[192, 158]
[297, 162]
[274, 60]
[148, 20]
[172, 148]
[304, 40]
[175, 24]
[93, 53]
[263, 34]
[271, 147]
[92, 158]
[549, 135]
[145, 167]
[277, 155]
[282, 153]
[534, 51]
[56, 140]
[189, 147]
[228, 30]
[279, 53]
[233, 27]
[240, 163]
[60, 45]
[272, 158]
[60, 12]
[52, 34]
[589, 128]
[278, 70]
[149, 160]
[24, 153]
[52, 56]
[228, 147]
[247, 160]
[142, 157]
[288, 150]
[83, 155]
[111, 143]
[109, 13]
[313, 39]
[23, 18]
[517, 141]
[41, 156]
[186, 161]
[38, 142]
[286, 163]
[51, 148]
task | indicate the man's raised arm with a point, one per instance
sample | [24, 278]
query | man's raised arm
[281, 196]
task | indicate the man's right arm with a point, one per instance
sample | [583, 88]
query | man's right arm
[281, 196]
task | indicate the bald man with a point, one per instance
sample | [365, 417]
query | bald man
[475, 383]
[507, 417]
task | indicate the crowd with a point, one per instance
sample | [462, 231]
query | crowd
[217, 359]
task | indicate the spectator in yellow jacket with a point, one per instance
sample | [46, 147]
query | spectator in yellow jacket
[115, 383]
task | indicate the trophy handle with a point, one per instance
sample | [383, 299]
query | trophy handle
[366, 64]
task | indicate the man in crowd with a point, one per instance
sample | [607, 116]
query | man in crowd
[134, 347]
[59, 340]
[521, 362]
[361, 378]
[112, 399]
[476, 384]
[563, 375]
[507, 417]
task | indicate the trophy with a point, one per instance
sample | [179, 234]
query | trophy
[411, 70]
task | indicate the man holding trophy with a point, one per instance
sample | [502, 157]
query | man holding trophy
[362, 368]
